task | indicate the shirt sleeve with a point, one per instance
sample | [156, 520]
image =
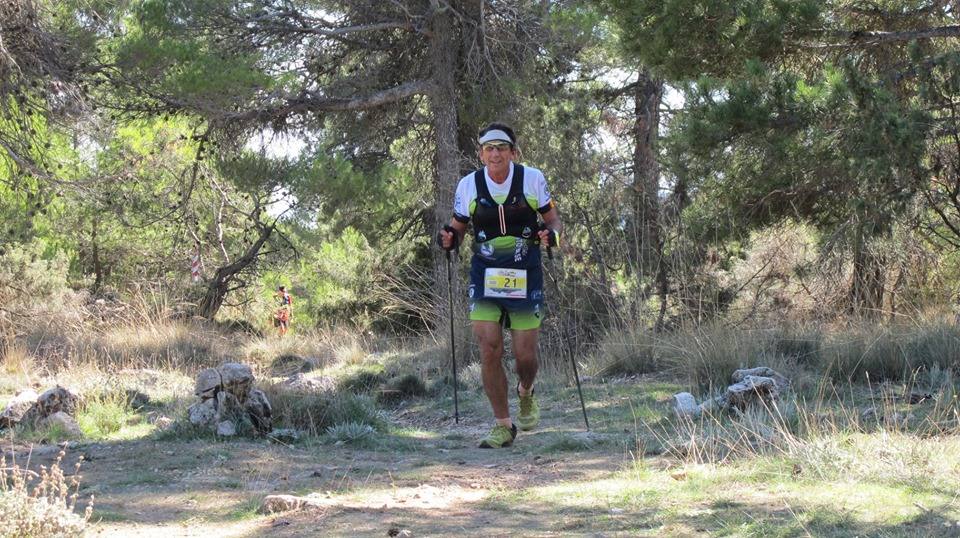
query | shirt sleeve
[544, 199]
[461, 200]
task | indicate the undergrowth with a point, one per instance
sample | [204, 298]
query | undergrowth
[40, 504]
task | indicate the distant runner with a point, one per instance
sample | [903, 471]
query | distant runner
[504, 199]
[281, 316]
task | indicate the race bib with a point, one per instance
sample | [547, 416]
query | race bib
[505, 283]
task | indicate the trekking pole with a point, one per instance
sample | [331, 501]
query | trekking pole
[576, 376]
[453, 344]
[573, 360]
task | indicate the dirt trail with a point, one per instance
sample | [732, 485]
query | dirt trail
[430, 481]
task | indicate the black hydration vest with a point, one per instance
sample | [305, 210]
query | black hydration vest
[514, 217]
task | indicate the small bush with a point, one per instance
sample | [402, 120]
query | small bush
[802, 345]
[29, 273]
[934, 345]
[354, 408]
[633, 352]
[709, 355]
[350, 432]
[288, 364]
[401, 387]
[277, 352]
[105, 414]
[314, 412]
[240, 326]
[363, 379]
[40, 505]
[471, 377]
[17, 368]
[869, 352]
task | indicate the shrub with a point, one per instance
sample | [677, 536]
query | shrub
[40, 505]
[104, 414]
[632, 352]
[29, 273]
[314, 412]
[363, 379]
[349, 432]
[868, 351]
[932, 345]
[400, 387]
[707, 356]
[801, 344]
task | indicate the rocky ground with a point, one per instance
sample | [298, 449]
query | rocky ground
[424, 476]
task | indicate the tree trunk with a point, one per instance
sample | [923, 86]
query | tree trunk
[647, 239]
[95, 248]
[443, 105]
[468, 116]
[868, 282]
[219, 285]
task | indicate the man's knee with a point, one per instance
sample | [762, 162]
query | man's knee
[525, 344]
[491, 349]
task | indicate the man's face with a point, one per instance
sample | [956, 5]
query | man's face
[496, 156]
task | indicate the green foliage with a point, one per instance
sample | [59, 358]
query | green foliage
[31, 272]
[160, 48]
[891, 352]
[630, 352]
[104, 415]
[314, 412]
[707, 356]
[767, 148]
[400, 387]
[688, 38]
[334, 281]
[350, 432]
[821, 113]
[362, 379]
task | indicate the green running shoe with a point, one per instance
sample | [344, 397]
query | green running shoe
[500, 437]
[529, 415]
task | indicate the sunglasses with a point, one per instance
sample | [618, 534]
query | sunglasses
[499, 146]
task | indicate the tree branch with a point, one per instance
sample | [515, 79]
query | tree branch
[318, 103]
[868, 38]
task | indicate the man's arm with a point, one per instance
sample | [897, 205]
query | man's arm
[552, 219]
[446, 238]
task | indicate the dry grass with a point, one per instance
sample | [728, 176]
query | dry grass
[18, 369]
[40, 504]
[852, 352]
[816, 433]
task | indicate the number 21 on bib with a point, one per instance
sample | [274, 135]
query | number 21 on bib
[499, 283]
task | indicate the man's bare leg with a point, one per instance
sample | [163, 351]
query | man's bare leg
[489, 337]
[525, 352]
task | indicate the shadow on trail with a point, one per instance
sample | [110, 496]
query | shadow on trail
[168, 482]
[659, 519]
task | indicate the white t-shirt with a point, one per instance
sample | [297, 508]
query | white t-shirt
[534, 189]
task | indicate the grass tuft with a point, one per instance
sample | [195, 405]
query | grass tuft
[104, 415]
[350, 432]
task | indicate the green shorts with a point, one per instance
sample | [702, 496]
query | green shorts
[491, 310]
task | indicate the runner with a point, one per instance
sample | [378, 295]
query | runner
[284, 311]
[503, 200]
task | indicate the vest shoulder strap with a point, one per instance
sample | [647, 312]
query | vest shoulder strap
[516, 185]
[481, 184]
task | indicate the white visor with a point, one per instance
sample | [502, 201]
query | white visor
[495, 135]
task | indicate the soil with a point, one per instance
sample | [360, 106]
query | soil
[431, 481]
